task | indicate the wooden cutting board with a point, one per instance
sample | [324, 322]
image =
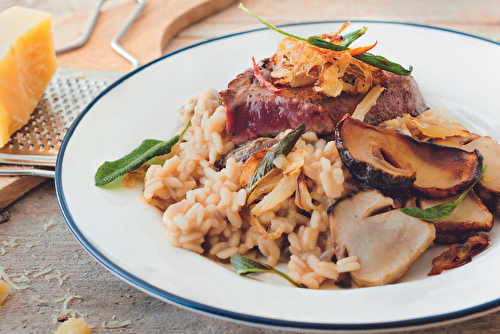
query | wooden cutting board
[149, 35]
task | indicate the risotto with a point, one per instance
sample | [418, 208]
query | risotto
[280, 207]
[205, 208]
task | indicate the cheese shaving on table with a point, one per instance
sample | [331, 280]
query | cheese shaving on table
[115, 324]
[3, 250]
[52, 276]
[21, 278]
[49, 224]
[37, 299]
[12, 243]
[43, 272]
[65, 310]
[7, 279]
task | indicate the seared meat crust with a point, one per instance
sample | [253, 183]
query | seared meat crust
[253, 111]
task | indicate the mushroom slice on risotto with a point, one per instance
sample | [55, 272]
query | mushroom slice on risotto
[385, 240]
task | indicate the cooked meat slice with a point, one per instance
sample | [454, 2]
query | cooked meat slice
[386, 243]
[253, 111]
[470, 214]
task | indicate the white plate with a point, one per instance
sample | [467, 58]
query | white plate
[126, 235]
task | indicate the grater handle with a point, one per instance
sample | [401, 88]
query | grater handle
[21, 159]
[115, 41]
[86, 33]
[28, 172]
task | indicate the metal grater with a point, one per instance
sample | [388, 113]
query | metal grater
[66, 96]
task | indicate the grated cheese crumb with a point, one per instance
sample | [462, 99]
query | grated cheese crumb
[115, 324]
[12, 243]
[34, 256]
[20, 278]
[3, 250]
[29, 245]
[52, 276]
[37, 299]
[49, 224]
[7, 279]
[65, 310]
[43, 272]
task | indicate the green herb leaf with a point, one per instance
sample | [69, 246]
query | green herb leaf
[149, 148]
[440, 211]
[347, 39]
[383, 63]
[245, 266]
[269, 25]
[376, 61]
[266, 165]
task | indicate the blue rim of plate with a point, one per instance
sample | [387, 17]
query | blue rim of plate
[251, 320]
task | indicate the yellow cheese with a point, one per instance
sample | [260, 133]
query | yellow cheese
[4, 288]
[73, 326]
[27, 63]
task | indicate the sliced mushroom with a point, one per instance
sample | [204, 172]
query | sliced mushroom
[455, 141]
[470, 214]
[386, 243]
[490, 150]
[394, 163]
[453, 237]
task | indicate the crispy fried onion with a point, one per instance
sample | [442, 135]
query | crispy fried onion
[442, 130]
[297, 63]
[303, 197]
[129, 178]
[254, 221]
[368, 101]
[457, 255]
[425, 126]
[283, 190]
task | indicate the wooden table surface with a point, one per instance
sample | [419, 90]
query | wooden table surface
[104, 297]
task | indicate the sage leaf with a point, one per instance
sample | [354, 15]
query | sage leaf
[440, 211]
[148, 149]
[245, 266]
[347, 39]
[374, 60]
[266, 165]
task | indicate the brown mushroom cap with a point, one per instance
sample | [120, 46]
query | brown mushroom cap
[470, 214]
[386, 243]
[394, 163]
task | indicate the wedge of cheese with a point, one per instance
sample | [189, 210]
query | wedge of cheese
[4, 289]
[73, 326]
[27, 63]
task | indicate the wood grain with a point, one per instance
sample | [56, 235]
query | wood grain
[11, 188]
[158, 22]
